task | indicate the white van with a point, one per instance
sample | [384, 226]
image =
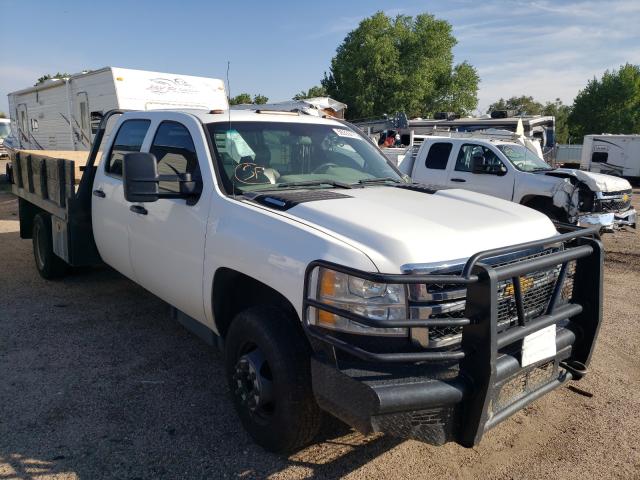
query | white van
[64, 114]
[612, 154]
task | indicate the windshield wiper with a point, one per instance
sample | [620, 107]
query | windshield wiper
[366, 181]
[314, 183]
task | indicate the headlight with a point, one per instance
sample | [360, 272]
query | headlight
[377, 301]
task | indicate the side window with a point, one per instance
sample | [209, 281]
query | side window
[438, 156]
[175, 152]
[599, 157]
[469, 150]
[128, 139]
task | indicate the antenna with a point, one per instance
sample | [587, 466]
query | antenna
[229, 92]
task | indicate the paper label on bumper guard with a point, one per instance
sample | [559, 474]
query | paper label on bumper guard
[539, 345]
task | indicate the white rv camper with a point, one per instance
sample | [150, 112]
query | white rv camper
[612, 154]
[65, 114]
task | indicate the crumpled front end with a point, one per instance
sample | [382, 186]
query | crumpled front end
[610, 210]
[594, 199]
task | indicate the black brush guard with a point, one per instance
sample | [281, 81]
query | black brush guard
[464, 406]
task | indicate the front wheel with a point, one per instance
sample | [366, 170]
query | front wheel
[268, 371]
[49, 265]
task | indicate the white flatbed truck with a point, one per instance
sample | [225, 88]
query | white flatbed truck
[330, 283]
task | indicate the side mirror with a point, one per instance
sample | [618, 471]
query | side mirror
[142, 182]
[478, 164]
[140, 177]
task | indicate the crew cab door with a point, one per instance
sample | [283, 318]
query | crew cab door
[167, 237]
[109, 210]
[498, 183]
[431, 163]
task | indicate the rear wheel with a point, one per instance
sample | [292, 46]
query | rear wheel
[49, 265]
[268, 371]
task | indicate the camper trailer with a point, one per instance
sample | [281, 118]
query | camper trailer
[612, 154]
[64, 114]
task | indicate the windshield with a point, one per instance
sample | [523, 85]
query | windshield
[255, 156]
[4, 130]
[524, 159]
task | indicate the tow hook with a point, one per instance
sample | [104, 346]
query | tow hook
[575, 368]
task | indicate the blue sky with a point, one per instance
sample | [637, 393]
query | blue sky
[547, 49]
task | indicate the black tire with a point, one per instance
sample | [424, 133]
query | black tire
[49, 265]
[287, 417]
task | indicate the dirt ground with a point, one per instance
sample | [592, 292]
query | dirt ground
[96, 381]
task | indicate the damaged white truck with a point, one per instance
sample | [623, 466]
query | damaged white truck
[509, 170]
[330, 282]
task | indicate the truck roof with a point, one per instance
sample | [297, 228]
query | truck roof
[206, 116]
[494, 141]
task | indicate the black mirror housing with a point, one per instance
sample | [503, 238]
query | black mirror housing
[140, 177]
[478, 164]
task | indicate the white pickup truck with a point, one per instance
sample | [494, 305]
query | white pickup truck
[330, 283]
[507, 169]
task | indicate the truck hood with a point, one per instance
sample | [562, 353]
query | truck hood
[597, 182]
[395, 227]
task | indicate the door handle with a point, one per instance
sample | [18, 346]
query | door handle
[461, 180]
[99, 193]
[138, 209]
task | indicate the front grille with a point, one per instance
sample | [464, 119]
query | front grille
[616, 194]
[615, 201]
[523, 384]
[615, 205]
[440, 301]
[537, 288]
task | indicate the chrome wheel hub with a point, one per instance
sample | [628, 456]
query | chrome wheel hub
[253, 384]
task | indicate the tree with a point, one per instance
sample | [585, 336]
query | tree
[245, 98]
[240, 99]
[48, 76]
[3, 115]
[561, 112]
[523, 105]
[315, 91]
[404, 64]
[260, 99]
[611, 104]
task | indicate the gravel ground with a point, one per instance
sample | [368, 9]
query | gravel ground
[96, 381]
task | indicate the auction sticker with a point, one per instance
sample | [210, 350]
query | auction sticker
[343, 132]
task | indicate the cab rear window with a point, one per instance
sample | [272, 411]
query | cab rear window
[128, 139]
[438, 156]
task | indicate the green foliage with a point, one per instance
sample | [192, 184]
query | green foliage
[611, 104]
[561, 112]
[315, 91]
[522, 105]
[240, 99]
[245, 98]
[3, 115]
[401, 64]
[48, 76]
[260, 99]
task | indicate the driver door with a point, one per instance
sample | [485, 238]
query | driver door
[499, 183]
[167, 237]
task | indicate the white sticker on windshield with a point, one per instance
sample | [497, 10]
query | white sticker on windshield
[237, 147]
[343, 132]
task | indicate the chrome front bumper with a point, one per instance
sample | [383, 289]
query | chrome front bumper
[609, 221]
